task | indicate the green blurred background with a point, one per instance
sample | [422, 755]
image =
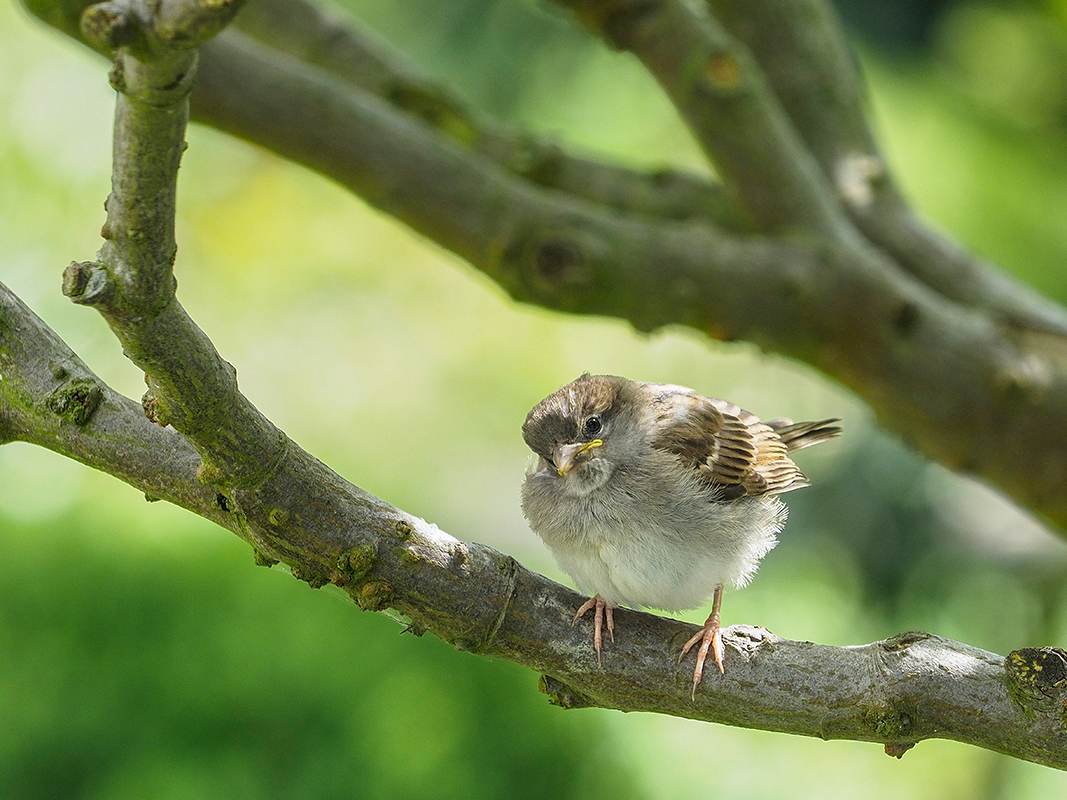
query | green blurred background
[142, 654]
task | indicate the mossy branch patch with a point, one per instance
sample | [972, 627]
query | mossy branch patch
[77, 400]
[1040, 668]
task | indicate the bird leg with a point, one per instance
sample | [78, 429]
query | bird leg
[710, 638]
[602, 610]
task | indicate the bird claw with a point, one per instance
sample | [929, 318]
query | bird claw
[710, 638]
[602, 610]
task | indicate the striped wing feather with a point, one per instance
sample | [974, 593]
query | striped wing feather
[731, 448]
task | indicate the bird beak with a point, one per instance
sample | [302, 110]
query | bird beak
[568, 457]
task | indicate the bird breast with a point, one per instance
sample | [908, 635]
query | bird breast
[655, 538]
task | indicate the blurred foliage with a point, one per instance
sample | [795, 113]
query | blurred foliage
[907, 24]
[139, 674]
[142, 654]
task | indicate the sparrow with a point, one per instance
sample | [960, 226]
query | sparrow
[652, 496]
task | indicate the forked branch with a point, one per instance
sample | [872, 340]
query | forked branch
[950, 372]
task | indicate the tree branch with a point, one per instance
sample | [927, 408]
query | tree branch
[896, 692]
[49, 397]
[806, 60]
[132, 283]
[830, 302]
[718, 89]
[353, 54]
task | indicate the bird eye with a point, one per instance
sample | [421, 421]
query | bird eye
[593, 425]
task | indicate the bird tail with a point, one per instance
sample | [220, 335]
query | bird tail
[798, 435]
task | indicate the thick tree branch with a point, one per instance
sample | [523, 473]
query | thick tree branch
[340, 46]
[806, 60]
[132, 283]
[896, 692]
[719, 90]
[48, 397]
[360, 59]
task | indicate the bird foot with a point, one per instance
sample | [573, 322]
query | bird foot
[602, 610]
[710, 638]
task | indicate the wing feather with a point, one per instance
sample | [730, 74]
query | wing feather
[730, 448]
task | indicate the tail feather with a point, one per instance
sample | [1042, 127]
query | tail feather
[798, 435]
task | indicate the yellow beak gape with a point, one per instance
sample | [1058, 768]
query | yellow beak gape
[571, 455]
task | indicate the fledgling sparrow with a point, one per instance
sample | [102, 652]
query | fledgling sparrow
[650, 495]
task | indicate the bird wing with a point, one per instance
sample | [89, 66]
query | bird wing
[730, 448]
